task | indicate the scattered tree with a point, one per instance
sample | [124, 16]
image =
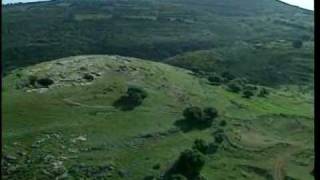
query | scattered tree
[196, 117]
[234, 87]
[218, 138]
[193, 113]
[223, 123]
[247, 94]
[228, 76]
[210, 113]
[189, 164]
[44, 82]
[88, 77]
[263, 92]
[201, 146]
[132, 99]
[215, 80]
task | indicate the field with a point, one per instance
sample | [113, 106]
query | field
[72, 129]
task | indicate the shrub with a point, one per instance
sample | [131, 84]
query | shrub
[297, 44]
[196, 117]
[44, 82]
[33, 80]
[228, 76]
[193, 113]
[210, 113]
[88, 77]
[201, 146]
[263, 92]
[132, 99]
[234, 87]
[247, 94]
[216, 80]
[223, 123]
[189, 164]
[218, 138]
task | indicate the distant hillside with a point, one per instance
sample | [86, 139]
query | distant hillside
[151, 29]
[274, 63]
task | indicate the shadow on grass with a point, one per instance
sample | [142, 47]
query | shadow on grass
[187, 125]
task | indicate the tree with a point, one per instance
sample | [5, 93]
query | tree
[228, 76]
[193, 113]
[189, 164]
[247, 94]
[234, 87]
[44, 82]
[218, 138]
[210, 113]
[201, 146]
[132, 99]
[263, 92]
[215, 80]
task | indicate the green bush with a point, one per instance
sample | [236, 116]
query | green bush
[132, 99]
[215, 80]
[44, 82]
[201, 146]
[223, 123]
[210, 113]
[248, 94]
[234, 87]
[218, 138]
[263, 92]
[228, 76]
[197, 117]
[88, 77]
[193, 113]
[189, 164]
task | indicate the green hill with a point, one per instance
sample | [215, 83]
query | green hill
[151, 29]
[275, 63]
[59, 120]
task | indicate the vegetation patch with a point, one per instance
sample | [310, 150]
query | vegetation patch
[133, 98]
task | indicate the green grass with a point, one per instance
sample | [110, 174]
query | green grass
[116, 134]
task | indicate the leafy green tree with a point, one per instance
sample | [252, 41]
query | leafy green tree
[234, 87]
[228, 76]
[132, 99]
[193, 113]
[263, 92]
[189, 164]
[201, 146]
[210, 113]
[216, 80]
[247, 94]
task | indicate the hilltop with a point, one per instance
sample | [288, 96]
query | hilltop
[59, 120]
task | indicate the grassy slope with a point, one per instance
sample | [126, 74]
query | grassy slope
[149, 29]
[265, 124]
[274, 63]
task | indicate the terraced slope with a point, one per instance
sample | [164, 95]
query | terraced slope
[150, 29]
[71, 128]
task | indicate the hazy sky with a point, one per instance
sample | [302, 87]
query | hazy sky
[307, 4]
